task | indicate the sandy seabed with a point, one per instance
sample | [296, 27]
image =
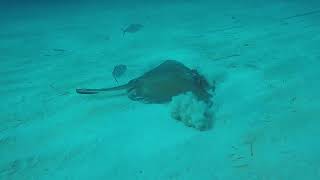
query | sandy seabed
[263, 57]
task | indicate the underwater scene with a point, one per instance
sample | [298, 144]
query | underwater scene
[160, 90]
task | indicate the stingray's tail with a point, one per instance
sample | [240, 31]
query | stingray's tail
[96, 91]
[88, 91]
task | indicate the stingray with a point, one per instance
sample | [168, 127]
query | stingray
[160, 84]
[132, 28]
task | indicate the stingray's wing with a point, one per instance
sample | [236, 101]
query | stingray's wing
[168, 66]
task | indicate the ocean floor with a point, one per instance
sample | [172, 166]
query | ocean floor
[263, 57]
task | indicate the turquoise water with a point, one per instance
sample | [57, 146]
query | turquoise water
[262, 57]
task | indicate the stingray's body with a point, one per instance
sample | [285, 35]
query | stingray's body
[160, 84]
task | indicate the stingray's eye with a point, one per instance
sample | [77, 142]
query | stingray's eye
[196, 76]
[194, 72]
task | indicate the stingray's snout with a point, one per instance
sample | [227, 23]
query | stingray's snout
[86, 91]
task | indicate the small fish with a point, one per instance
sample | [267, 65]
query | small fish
[132, 28]
[118, 71]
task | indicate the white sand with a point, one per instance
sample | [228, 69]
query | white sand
[266, 67]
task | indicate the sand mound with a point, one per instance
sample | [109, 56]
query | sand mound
[192, 112]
